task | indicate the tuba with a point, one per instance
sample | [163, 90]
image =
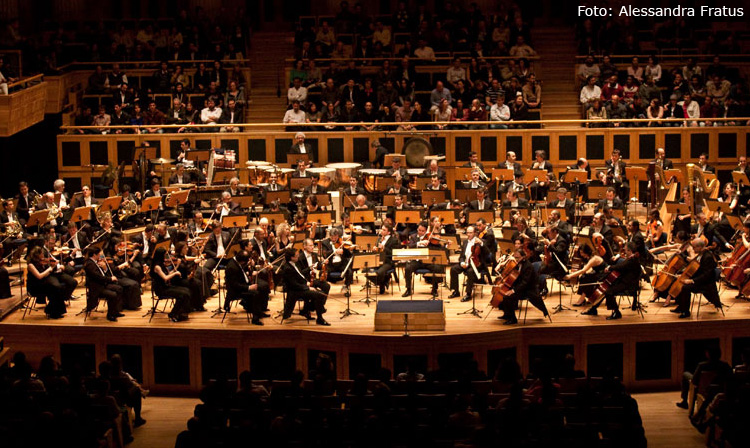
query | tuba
[127, 209]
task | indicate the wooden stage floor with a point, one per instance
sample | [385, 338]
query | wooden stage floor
[362, 325]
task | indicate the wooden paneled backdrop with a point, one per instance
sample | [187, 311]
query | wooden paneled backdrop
[564, 146]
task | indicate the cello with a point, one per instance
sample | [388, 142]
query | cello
[692, 267]
[504, 282]
[734, 266]
[664, 278]
[601, 290]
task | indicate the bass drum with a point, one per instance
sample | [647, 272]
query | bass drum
[415, 150]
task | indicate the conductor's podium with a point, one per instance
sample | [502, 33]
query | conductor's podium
[410, 315]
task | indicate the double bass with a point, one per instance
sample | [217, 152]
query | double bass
[504, 282]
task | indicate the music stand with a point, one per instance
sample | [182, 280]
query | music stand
[597, 191]
[283, 196]
[447, 217]
[293, 159]
[245, 202]
[430, 197]
[530, 176]
[505, 245]
[299, 183]
[177, 198]
[166, 245]
[234, 222]
[466, 194]
[506, 212]
[437, 257]
[715, 205]
[634, 175]
[384, 183]
[740, 178]
[735, 222]
[324, 199]
[150, 204]
[366, 243]
[503, 174]
[223, 177]
[422, 182]
[79, 214]
[577, 178]
[39, 218]
[677, 208]
[366, 262]
[473, 215]
[408, 217]
[322, 219]
[299, 243]
[110, 203]
[347, 282]
[198, 155]
[388, 200]
[362, 216]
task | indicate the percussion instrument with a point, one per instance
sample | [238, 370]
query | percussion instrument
[416, 149]
[327, 175]
[414, 171]
[283, 174]
[344, 171]
[160, 161]
[368, 178]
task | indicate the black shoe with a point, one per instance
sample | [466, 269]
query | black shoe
[265, 315]
[307, 315]
[675, 310]
[504, 317]
[407, 293]
[683, 404]
[466, 299]
[454, 294]
[684, 315]
[321, 321]
[634, 306]
[120, 315]
[615, 315]
[112, 318]
[381, 291]
[590, 312]
[139, 422]
[257, 321]
[512, 321]
[201, 308]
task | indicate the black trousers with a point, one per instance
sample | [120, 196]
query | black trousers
[112, 293]
[181, 296]
[131, 293]
[413, 266]
[709, 292]
[510, 303]
[311, 298]
[4, 283]
[255, 301]
[468, 271]
[382, 274]
[339, 267]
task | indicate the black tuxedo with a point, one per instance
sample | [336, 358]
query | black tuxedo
[100, 285]
[306, 270]
[667, 165]
[212, 246]
[357, 191]
[295, 149]
[526, 287]
[704, 281]
[23, 204]
[390, 172]
[559, 254]
[486, 204]
[386, 260]
[187, 178]
[617, 204]
[297, 288]
[516, 166]
[238, 288]
[522, 203]
[712, 234]
[440, 174]
[623, 186]
[337, 265]
[468, 271]
[708, 169]
[627, 282]
[569, 205]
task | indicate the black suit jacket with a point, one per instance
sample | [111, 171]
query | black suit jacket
[705, 278]
[4, 217]
[187, 178]
[611, 168]
[96, 281]
[293, 281]
[308, 150]
[440, 174]
[569, 206]
[709, 169]
[630, 272]
[546, 165]
[668, 165]
[468, 165]
[386, 255]
[357, 191]
[389, 172]
[474, 205]
[616, 204]
[302, 263]
[516, 166]
[23, 205]
[527, 283]
[212, 244]
[522, 203]
[483, 257]
[234, 280]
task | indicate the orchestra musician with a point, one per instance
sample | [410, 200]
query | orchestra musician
[703, 281]
[563, 227]
[283, 239]
[581, 189]
[516, 184]
[310, 265]
[615, 174]
[729, 196]
[513, 201]
[120, 267]
[23, 202]
[8, 217]
[180, 176]
[589, 275]
[473, 162]
[84, 200]
[565, 203]
[397, 187]
[216, 245]
[684, 249]
[510, 162]
[234, 188]
[146, 240]
[313, 188]
[626, 284]
[380, 152]
[62, 199]
[435, 184]
[396, 170]
[196, 226]
[76, 241]
[353, 189]
[297, 288]
[475, 181]
[347, 229]
[703, 164]
[337, 252]
[252, 294]
[101, 283]
[301, 171]
[708, 230]
[539, 188]
[655, 234]
[192, 277]
[135, 219]
[128, 263]
[273, 184]
[402, 229]
[301, 147]
[106, 234]
[485, 233]
[423, 239]
[610, 200]
[661, 160]
[682, 222]
[434, 170]
[386, 243]
[526, 287]
[301, 224]
[46, 280]
[259, 244]
[163, 271]
[467, 265]
[556, 255]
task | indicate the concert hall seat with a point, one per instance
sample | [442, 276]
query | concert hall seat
[155, 305]
[86, 311]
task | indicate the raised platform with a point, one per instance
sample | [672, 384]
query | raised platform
[648, 352]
